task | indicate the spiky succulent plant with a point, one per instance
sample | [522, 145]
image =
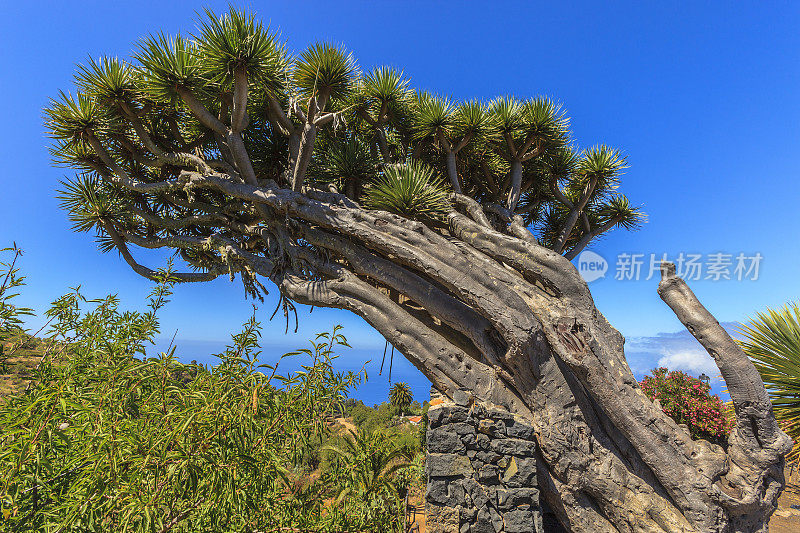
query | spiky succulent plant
[412, 190]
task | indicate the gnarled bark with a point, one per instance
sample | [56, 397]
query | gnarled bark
[523, 332]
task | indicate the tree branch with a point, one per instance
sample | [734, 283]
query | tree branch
[148, 272]
[755, 421]
[240, 90]
[574, 213]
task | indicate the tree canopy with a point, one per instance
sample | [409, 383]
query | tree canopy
[400, 397]
[230, 101]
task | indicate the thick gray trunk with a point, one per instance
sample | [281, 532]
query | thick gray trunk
[452, 172]
[514, 322]
[305, 151]
[516, 184]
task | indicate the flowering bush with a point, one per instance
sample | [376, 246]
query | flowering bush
[687, 400]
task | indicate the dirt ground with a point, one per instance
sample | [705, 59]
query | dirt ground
[347, 424]
[787, 518]
[16, 370]
[416, 511]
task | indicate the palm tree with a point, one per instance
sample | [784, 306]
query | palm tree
[400, 397]
[773, 343]
[372, 461]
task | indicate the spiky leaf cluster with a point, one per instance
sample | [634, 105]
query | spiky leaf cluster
[772, 341]
[412, 190]
[310, 119]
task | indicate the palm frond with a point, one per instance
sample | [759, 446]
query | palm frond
[107, 79]
[772, 341]
[70, 119]
[472, 118]
[237, 39]
[325, 68]
[431, 115]
[603, 164]
[412, 190]
[562, 163]
[74, 154]
[385, 84]
[88, 202]
[350, 159]
[544, 119]
[169, 63]
[619, 208]
[508, 115]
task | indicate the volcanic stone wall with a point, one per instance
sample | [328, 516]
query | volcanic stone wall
[481, 469]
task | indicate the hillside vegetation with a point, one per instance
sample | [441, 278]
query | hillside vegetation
[97, 436]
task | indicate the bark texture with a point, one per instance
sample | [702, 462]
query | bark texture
[474, 307]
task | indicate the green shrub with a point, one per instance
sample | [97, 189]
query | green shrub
[687, 400]
[772, 341]
[365, 469]
[11, 316]
[105, 439]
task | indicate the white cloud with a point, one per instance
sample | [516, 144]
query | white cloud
[690, 361]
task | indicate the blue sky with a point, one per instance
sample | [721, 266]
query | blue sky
[702, 97]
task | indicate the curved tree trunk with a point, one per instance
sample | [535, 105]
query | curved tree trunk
[515, 323]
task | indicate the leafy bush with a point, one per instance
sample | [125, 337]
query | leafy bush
[772, 341]
[688, 401]
[371, 419]
[11, 316]
[365, 470]
[106, 439]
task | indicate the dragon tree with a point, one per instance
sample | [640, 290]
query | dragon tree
[447, 225]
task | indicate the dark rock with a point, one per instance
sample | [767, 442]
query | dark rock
[446, 414]
[480, 496]
[508, 499]
[477, 411]
[462, 398]
[538, 527]
[468, 514]
[488, 457]
[490, 427]
[499, 414]
[443, 440]
[520, 521]
[518, 447]
[483, 522]
[487, 474]
[448, 465]
[462, 428]
[519, 430]
[497, 520]
[442, 518]
[443, 492]
[525, 475]
[481, 468]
